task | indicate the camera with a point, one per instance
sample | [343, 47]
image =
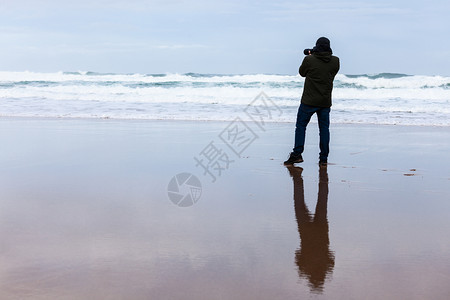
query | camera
[308, 51]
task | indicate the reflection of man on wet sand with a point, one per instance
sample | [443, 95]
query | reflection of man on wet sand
[314, 258]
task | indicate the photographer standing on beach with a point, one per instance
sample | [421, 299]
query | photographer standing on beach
[319, 67]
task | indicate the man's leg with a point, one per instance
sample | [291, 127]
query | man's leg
[323, 116]
[303, 116]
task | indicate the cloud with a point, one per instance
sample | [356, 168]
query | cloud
[32, 7]
[326, 11]
[249, 32]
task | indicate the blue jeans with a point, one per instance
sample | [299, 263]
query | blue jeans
[304, 115]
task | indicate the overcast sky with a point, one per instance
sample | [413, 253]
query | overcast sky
[223, 36]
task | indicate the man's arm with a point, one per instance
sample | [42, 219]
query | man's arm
[303, 67]
[338, 66]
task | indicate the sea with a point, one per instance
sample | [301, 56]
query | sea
[386, 98]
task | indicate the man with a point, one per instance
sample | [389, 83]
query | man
[319, 67]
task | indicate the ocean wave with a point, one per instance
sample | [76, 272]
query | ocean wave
[385, 98]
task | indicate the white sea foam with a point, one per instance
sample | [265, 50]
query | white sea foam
[376, 99]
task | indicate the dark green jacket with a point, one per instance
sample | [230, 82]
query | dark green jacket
[319, 70]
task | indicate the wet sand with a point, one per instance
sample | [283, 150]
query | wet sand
[85, 212]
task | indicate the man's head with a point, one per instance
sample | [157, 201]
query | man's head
[322, 45]
[323, 41]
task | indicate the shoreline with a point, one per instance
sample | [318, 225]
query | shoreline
[313, 121]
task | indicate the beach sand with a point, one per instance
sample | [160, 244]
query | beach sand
[85, 212]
